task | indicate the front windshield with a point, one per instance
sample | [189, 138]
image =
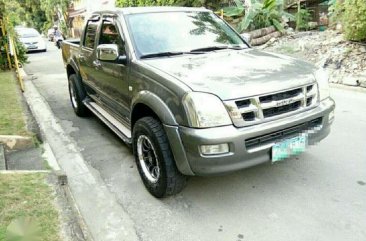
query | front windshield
[27, 33]
[179, 31]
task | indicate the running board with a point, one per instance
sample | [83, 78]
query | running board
[116, 126]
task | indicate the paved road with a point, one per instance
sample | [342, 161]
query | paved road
[319, 195]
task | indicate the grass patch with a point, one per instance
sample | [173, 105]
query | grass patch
[28, 195]
[12, 121]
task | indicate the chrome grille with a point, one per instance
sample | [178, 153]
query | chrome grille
[258, 109]
[282, 134]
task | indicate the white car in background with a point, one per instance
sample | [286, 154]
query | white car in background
[31, 39]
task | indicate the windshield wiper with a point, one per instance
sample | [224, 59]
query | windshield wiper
[220, 47]
[209, 48]
[169, 53]
[161, 54]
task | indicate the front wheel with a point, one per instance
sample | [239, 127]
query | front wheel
[155, 160]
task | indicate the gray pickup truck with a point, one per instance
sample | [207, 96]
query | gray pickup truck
[190, 96]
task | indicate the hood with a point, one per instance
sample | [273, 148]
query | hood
[232, 74]
[31, 40]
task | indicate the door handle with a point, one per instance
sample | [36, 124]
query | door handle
[97, 64]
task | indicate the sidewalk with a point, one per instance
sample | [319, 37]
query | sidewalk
[32, 199]
[104, 217]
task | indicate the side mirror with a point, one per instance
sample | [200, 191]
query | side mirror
[122, 59]
[107, 52]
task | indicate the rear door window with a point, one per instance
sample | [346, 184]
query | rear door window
[91, 33]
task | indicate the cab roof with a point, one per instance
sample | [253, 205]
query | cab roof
[136, 10]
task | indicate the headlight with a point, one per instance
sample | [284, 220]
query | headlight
[322, 78]
[205, 110]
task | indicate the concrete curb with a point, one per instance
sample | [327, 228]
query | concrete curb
[105, 218]
[2, 158]
[50, 157]
[13, 142]
[348, 87]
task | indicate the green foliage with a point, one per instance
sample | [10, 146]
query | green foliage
[212, 4]
[8, 12]
[27, 13]
[38, 14]
[20, 49]
[260, 14]
[233, 11]
[138, 3]
[335, 11]
[54, 9]
[354, 20]
[303, 18]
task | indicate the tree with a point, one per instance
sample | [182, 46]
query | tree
[259, 14]
[10, 15]
[55, 10]
[39, 14]
[212, 4]
[354, 20]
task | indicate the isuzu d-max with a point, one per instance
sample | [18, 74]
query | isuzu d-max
[190, 95]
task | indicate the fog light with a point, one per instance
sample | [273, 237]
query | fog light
[215, 149]
[331, 117]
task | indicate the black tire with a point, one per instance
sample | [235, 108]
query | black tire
[77, 95]
[169, 181]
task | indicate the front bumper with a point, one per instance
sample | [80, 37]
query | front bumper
[185, 142]
[40, 46]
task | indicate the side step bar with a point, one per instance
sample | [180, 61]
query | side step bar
[116, 126]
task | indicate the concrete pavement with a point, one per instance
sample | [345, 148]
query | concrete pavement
[105, 219]
[316, 196]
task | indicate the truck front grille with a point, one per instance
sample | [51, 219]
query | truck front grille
[281, 134]
[258, 109]
[280, 96]
[281, 109]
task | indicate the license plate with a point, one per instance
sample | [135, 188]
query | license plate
[32, 46]
[289, 147]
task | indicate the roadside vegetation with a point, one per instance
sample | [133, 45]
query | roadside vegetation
[12, 119]
[39, 14]
[354, 19]
[247, 15]
[27, 212]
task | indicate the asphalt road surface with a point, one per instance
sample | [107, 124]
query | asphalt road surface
[319, 195]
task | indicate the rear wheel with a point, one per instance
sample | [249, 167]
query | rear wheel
[155, 160]
[77, 95]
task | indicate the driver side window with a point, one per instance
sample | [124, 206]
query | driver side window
[110, 35]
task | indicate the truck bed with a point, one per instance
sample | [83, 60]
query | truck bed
[70, 47]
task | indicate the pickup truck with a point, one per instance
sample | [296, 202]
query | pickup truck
[190, 96]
